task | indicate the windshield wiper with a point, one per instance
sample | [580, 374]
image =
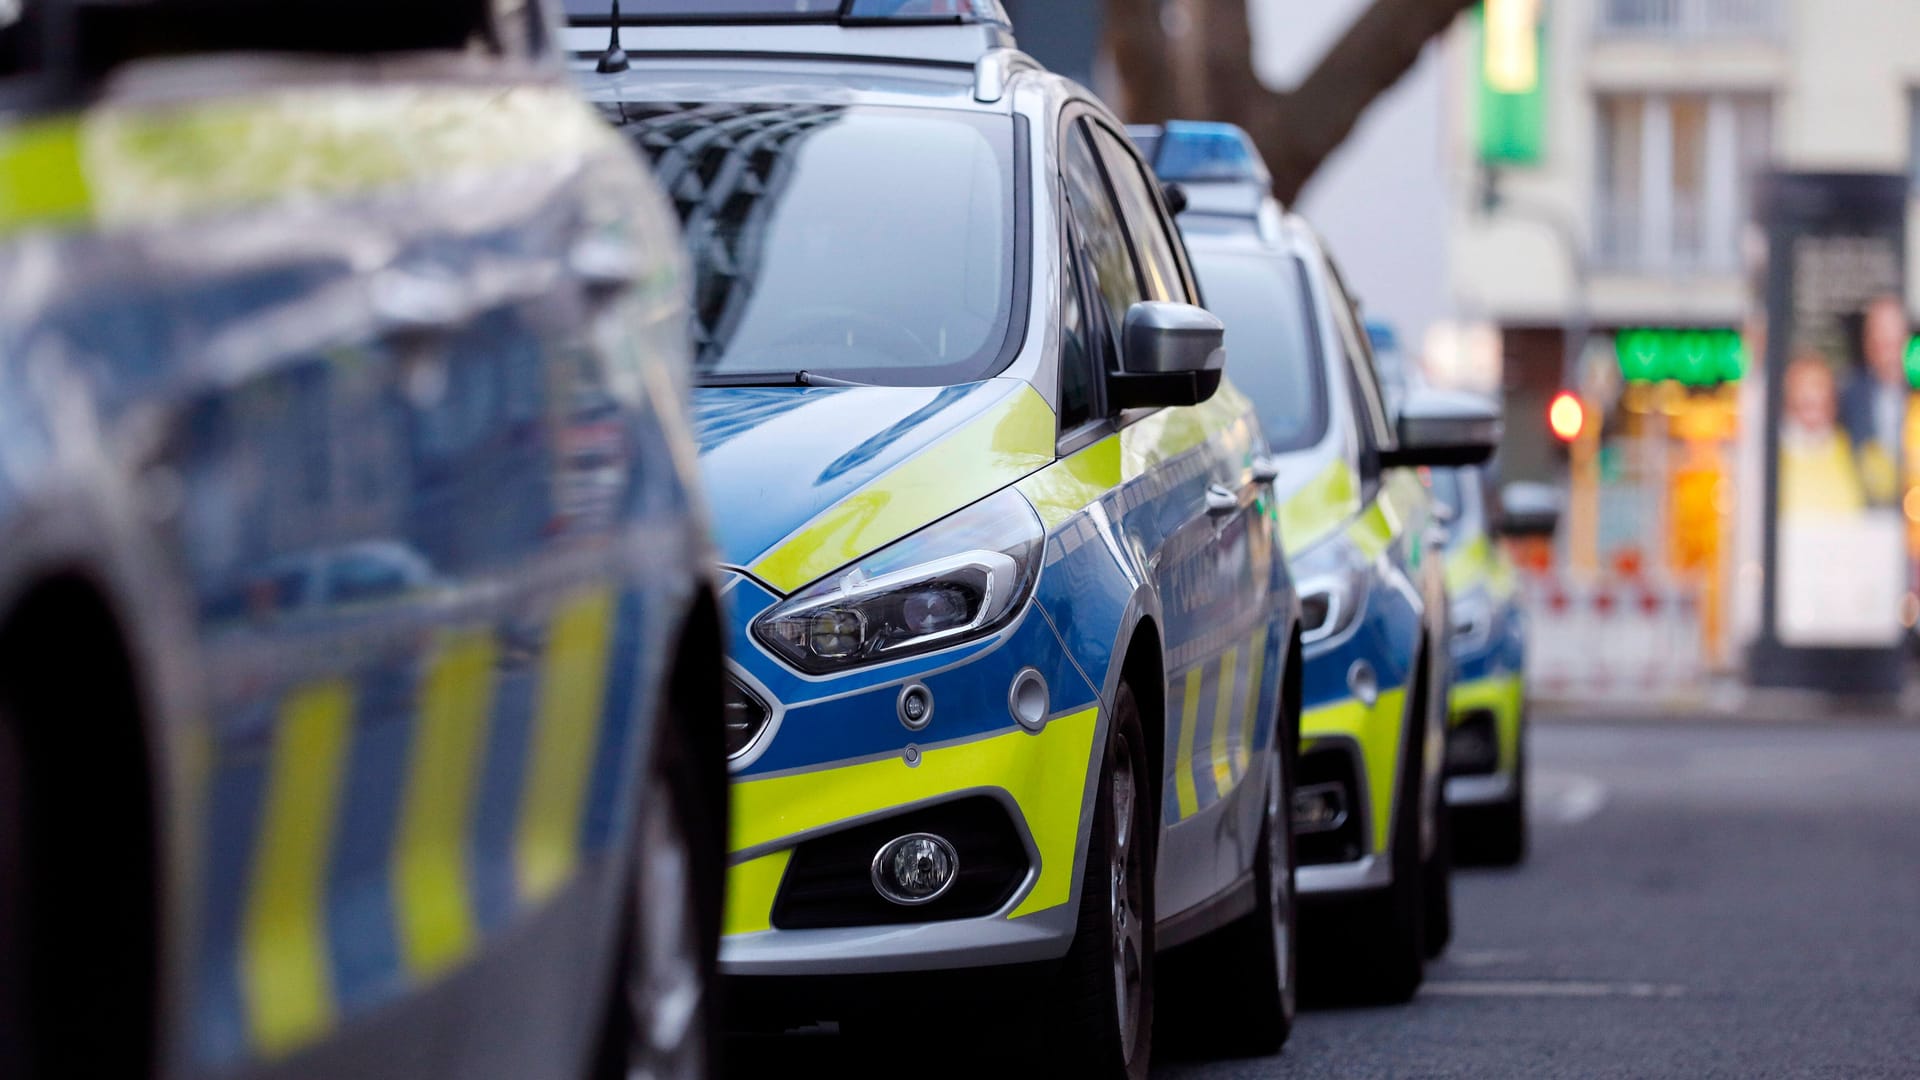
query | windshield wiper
[774, 378]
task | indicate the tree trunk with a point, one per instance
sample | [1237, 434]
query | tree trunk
[1193, 59]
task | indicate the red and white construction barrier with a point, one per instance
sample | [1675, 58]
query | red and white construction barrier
[1611, 637]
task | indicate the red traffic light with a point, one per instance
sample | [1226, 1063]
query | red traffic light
[1566, 416]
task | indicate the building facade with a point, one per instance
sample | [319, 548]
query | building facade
[1607, 199]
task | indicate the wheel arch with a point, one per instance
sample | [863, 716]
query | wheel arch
[695, 698]
[94, 817]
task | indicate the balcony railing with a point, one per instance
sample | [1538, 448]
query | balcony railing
[1691, 241]
[1692, 19]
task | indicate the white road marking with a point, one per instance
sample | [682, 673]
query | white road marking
[1567, 798]
[1485, 957]
[1541, 988]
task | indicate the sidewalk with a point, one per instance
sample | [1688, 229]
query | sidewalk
[1730, 702]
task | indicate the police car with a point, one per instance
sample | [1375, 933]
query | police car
[360, 706]
[1015, 664]
[1359, 529]
[1487, 735]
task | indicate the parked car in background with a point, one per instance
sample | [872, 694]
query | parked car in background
[1487, 735]
[1015, 671]
[1358, 524]
[360, 666]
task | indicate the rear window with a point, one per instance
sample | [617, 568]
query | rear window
[869, 244]
[1272, 351]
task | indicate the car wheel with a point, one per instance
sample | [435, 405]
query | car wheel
[665, 1023]
[14, 934]
[1106, 1021]
[1245, 978]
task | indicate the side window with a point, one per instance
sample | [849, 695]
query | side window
[1146, 222]
[1078, 365]
[1353, 344]
[1097, 220]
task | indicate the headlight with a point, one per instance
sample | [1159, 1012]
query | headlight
[1472, 620]
[1331, 581]
[960, 578]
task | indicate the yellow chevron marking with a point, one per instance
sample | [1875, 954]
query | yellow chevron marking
[284, 967]
[573, 678]
[1249, 730]
[1183, 786]
[751, 889]
[430, 862]
[1223, 714]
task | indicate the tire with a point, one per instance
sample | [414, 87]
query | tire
[1251, 968]
[1104, 1027]
[1371, 949]
[15, 1023]
[664, 1021]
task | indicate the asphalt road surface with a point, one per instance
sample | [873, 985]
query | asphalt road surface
[1714, 901]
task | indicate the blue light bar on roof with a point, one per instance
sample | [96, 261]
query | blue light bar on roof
[988, 11]
[1196, 152]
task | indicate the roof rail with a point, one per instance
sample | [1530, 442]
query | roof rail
[996, 69]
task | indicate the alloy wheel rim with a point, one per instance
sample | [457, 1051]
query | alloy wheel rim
[1125, 900]
[667, 992]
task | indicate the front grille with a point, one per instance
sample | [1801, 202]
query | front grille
[1473, 745]
[829, 881]
[1334, 765]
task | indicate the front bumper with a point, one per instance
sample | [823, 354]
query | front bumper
[1500, 698]
[1040, 779]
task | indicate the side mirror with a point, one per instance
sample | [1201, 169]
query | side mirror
[1170, 354]
[1443, 428]
[1530, 509]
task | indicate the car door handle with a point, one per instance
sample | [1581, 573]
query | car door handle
[1265, 470]
[416, 305]
[1221, 501]
[603, 264]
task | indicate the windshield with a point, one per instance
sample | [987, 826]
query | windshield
[1460, 492]
[867, 244]
[1271, 351]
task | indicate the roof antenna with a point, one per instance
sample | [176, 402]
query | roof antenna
[614, 60]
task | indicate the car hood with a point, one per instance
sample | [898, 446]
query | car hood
[803, 480]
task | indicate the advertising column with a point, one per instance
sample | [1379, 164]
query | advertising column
[1835, 332]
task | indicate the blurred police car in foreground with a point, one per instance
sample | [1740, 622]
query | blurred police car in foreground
[1015, 662]
[1358, 527]
[359, 670]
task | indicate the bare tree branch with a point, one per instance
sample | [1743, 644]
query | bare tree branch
[1297, 129]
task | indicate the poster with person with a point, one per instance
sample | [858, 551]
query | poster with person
[1837, 329]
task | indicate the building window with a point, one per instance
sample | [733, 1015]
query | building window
[1675, 178]
[1691, 18]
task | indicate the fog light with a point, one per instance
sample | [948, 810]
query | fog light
[1319, 808]
[915, 869]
